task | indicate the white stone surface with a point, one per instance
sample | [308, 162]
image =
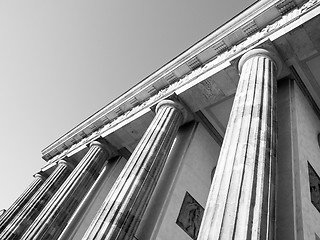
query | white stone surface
[308, 127]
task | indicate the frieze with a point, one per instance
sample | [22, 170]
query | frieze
[224, 56]
[209, 89]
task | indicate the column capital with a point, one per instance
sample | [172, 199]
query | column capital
[261, 52]
[68, 164]
[2, 211]
[41, 175]
[105, 146]
[173, 104]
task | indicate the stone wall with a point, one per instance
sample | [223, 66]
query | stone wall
[308, 127]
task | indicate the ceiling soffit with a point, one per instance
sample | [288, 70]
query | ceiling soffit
[301, 49]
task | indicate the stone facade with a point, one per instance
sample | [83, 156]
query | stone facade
[220, 143]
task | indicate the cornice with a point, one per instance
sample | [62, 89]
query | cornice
[123, 112]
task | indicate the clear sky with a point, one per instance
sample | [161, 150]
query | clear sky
[61, 61]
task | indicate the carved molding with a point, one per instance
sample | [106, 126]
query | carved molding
[285, 6]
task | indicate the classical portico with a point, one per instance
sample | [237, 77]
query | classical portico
[219, 143]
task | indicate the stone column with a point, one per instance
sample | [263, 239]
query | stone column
[75, 224]
[21, 201]
[120, 214]
[241, 199]
[38, 201]
[54, 217]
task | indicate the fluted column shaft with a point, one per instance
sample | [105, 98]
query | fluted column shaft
[21, 201]
[38, 201]
[120, 214]
[54, 217]
[240, 202]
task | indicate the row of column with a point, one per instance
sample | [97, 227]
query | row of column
[57, 197]
[240, 201]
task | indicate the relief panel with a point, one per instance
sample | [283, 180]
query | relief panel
[314, 187]
[190, 216]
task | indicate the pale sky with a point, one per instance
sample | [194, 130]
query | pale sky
[61, 61]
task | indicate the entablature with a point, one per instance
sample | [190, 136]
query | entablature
[210, 61]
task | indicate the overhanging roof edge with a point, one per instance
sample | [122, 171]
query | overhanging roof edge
[236, 22]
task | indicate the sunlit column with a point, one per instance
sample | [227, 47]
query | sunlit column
[121, 213]
[80, 215]
[54, 217]
[21, 201]
[30, 211]
[241, 198]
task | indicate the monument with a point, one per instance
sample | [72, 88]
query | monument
[222, 142]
